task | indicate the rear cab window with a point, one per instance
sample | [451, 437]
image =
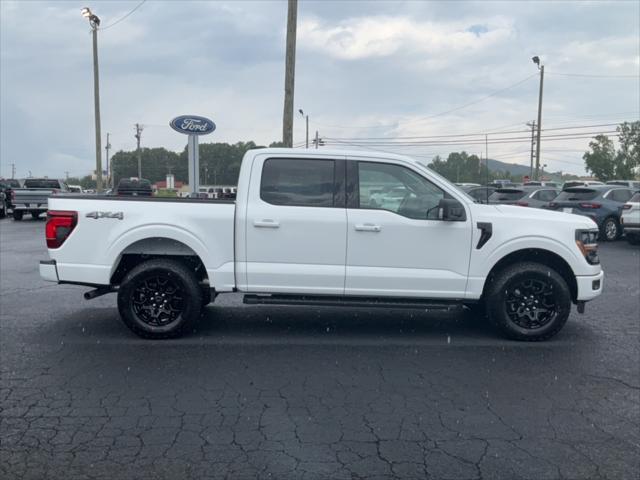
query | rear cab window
[42, 183]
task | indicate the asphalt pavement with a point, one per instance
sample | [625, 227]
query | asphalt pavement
[311, 393]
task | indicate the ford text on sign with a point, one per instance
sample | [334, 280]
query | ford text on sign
[192, 125]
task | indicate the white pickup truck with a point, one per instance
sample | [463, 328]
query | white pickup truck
[323, 227]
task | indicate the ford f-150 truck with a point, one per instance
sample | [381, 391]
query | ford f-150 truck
[320, 227]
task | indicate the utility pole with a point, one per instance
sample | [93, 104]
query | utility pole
[317, 140]
[536, 60]
[486, 153]
[66, 174]
[13, 171]
[94, 21]
[533, 142]
[138, 135]
[289, 74]
[107, 148]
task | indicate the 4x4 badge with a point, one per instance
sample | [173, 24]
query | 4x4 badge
[97, 215]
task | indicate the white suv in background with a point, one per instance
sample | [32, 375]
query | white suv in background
[630, 219]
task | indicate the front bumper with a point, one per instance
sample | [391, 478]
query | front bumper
[589, 286]
[49, 270]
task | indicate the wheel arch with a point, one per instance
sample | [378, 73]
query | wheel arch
[537, 255]
[156, 247]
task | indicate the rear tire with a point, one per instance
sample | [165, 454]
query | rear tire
[17, 215]
[528, 301]
[35, 215]
[610, 229]
[160, 298]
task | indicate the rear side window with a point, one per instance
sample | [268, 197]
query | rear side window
[295, 182]
[635, 198]
[620, 195]
[507, 194]
[574, 194]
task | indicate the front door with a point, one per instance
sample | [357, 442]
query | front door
[296, 226]
[396, 245]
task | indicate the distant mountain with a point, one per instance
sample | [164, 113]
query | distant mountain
[513, 168]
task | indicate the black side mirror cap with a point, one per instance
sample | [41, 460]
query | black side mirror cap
[451, 210]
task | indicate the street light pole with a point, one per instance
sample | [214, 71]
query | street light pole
[533, 142]
[94, 21]
[536, 60]
[107, 148]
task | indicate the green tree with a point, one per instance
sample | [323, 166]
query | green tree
[628, 156]
[601, 160]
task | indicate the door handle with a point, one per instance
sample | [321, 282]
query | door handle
[368, 227]
[266, 223]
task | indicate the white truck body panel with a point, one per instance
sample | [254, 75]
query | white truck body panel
[254, 246]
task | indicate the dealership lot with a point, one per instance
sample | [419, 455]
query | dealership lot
[288, 392]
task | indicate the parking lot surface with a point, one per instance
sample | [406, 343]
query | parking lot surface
[311, 393]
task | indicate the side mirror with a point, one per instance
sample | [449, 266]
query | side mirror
[451, 210]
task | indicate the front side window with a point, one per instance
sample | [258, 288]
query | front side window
[296, 182]
[384, 186]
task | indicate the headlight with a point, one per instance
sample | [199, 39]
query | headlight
[587, 241]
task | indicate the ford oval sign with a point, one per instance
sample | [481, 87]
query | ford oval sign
[192, 125]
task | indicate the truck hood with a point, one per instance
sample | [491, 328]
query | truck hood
[514, 214]
[538, 214]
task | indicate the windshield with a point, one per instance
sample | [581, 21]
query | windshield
[574, 194]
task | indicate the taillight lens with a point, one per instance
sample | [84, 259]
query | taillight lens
[592, 205]
[60, 224]
[626, 206]
[552, 205]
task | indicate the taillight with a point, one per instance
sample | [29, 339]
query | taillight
[626, 206]
[523, 204]
[60, 224]
[590, 205]
[13, 195]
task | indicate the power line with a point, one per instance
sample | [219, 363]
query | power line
[125, 16]
[455, 109]
[589, 75]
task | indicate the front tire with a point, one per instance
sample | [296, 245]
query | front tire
[35, 215]
[610, 229]
[160, 298]
[528, 301]
[17, 215]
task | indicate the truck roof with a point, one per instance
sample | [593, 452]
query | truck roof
[313, 152]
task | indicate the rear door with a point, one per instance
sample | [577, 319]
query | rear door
[396, 245]
[296, 226]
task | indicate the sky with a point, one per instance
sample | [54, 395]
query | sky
[363, 70]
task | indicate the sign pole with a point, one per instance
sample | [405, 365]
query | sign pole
[193, 126]
[194, 163]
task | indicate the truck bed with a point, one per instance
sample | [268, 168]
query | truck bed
[143, 225]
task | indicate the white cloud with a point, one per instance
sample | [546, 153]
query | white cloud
[381, 36]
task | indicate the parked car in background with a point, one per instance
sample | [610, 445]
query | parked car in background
[34, 195]
[601, 203]
[3, 205]
[75, 188]
[580, 183]
[6, 186]
[135, 187]
[525, 196]
[501, 182]
[479, 193]
[630, 219]
[633, 184]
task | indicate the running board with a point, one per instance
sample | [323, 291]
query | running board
[349, 301]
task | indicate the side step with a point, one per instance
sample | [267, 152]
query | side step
[349, 301]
